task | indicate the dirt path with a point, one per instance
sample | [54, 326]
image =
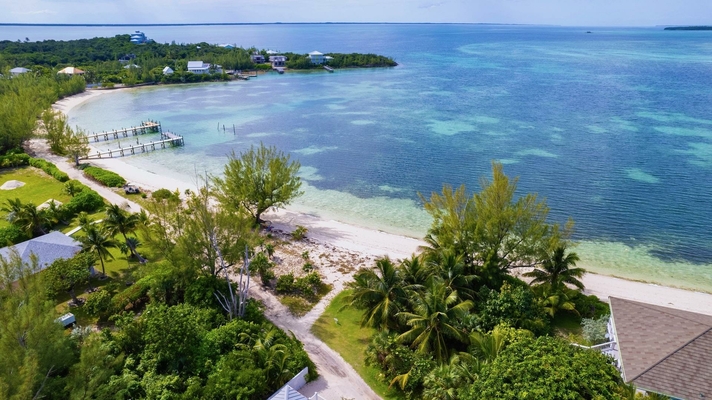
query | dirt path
[38, 148]
[337, 379]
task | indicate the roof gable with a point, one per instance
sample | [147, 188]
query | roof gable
[694, 360]
[663, 349]
[47, 248]
[287, 393]
[196, 65]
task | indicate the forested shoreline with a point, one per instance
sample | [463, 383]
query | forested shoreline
[99, 58]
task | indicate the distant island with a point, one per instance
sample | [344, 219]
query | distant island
[135, 59]
[688, 28]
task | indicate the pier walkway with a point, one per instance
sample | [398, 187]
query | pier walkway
[145, 128]
[167, 139]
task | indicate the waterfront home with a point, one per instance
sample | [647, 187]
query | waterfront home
[138, 37]
[663, 350]
[71, 71]
[126, 58]
[199, 67]
[47, 248]
[257, 58]
[18, 71]
[316, 57]
[130, 66]
[277, 61]
[226, 46]
[167, 70]
[272, 52]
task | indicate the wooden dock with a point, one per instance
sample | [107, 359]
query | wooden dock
[328, 68]
[145, 128]
[167, 139]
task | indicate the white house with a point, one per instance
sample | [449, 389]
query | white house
[167, 70]
[130, 66]
[71, 71]
[199, 67]
[138, 38]
[316, 57]
[257, 58]
[278, 61]
[18, 71]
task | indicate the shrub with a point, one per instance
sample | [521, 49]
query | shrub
[49, 168]
[285, 284]
[106, 178]
[299, 233]
[14, 160]
[10, 235]
[86, 200]
[164, 194]
[131, 298]
[98, 304]
[594, 330]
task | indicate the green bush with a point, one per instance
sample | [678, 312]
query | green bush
[49, 168]
[131, 298]
[14, 160]
[98, 304]
[86, 200]
[299, 233]
[106, 178]
[164, 194]
[10, 235]
[285, 284]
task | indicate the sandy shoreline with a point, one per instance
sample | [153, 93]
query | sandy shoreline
[374, 243]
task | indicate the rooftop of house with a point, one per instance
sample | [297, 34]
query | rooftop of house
[47, 248]
[197, 64]
[664, 350]
[316, 53]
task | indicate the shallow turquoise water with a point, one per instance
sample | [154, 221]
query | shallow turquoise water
[613, 128]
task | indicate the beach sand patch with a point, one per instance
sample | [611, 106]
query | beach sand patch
[12, 184]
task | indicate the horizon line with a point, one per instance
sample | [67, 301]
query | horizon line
[329, 23]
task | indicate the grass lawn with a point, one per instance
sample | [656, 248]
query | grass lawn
[39, 187]
[350, 341]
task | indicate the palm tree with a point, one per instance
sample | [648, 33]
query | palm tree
[451, 269]
[120, 221]
[432, 323]
[98, 240]
[556, 271]
[552, 301]
[268, 355]
[382, 293]
[414, 271]
[32, 220]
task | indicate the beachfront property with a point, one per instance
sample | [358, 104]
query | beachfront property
[278, 61]
[167, 70]
[47, 248]
[257, 58]
[139, 37]
[199, 67]
[71, 71]
[663, 350]
[18, 71]
[316, 57]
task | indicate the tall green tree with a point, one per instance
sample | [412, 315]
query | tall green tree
[27, 217]
[493, 230]
[98, 240]
[381, 293]
[558, 270]
[97, 364]
[258, 180]
[35, 350]
[433, 322]
[120, 221]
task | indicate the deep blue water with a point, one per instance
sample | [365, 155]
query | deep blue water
[613, 128]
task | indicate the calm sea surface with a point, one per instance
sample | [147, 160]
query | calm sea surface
[613, 128]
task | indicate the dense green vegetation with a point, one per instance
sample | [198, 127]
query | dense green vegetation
[454, 323]
[99, 59]
[106, 178]
[24, 98]
[173, 326]
[338, 60]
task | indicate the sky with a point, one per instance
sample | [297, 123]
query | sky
[546, 12]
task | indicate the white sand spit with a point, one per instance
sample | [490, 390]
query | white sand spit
[12, 184]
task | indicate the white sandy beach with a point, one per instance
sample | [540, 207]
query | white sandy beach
[376, 243]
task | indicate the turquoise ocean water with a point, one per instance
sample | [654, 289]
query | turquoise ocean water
[613, 128]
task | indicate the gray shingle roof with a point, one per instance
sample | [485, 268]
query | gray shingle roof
[47, 248]
[664, 350]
